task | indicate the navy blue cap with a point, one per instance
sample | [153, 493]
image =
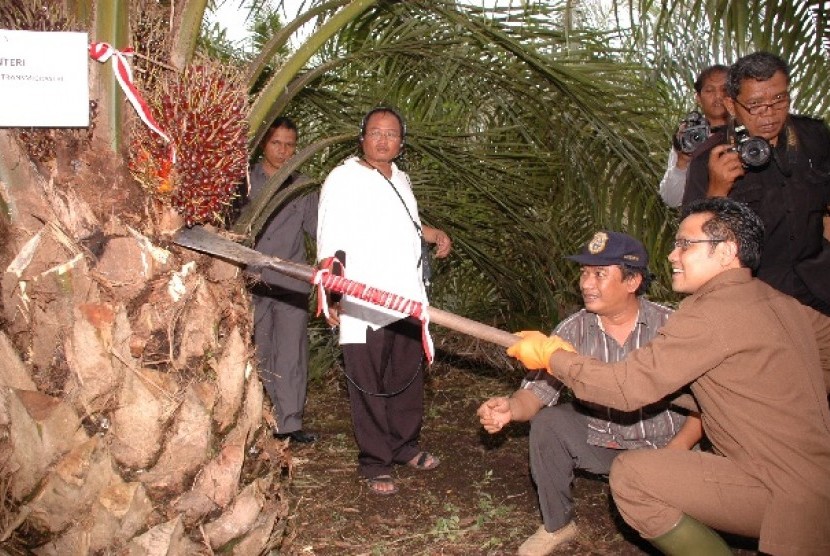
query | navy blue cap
[610, 248]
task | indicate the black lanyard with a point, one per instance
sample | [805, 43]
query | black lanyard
[392, 185]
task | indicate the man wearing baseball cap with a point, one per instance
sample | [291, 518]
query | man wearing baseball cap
[580, 435]
[757, 365]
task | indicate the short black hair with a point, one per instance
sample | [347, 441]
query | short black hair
[707, 73]
[759, 66]
[282, 121]
[732, 221]
[631, 271]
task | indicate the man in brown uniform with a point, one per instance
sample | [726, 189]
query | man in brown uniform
[758, 365]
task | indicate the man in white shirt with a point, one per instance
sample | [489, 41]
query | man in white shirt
[710, 90]
[368, 211]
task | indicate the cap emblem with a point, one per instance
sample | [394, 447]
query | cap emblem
[598, 243]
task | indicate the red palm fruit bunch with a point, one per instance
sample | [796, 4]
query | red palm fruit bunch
[203, 111]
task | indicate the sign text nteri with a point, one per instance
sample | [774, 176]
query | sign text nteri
[43, 79]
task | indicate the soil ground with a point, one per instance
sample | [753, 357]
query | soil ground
[480, 500]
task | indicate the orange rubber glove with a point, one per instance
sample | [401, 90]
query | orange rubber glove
[534, 349]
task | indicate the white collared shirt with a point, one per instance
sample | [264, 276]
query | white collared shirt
[361, 215]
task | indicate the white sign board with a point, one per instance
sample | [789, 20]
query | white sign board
[43, 79]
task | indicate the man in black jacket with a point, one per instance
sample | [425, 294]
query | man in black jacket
[790, 192]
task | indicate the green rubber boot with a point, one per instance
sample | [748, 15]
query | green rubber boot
[691, 538]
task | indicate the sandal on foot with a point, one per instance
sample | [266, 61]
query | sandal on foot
[424, 461]
[375, 483]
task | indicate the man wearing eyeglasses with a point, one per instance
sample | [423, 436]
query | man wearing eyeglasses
[757, 364]
[790, 193]
[616, 320]
[368, 211]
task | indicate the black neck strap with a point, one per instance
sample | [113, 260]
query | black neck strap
[395, 189]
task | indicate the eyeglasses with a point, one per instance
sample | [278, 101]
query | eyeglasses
[376, 134]
[755, 108]
[683, 244]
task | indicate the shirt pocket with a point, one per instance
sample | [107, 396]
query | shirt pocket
[817, 178]
[753, 195]
[815, 196]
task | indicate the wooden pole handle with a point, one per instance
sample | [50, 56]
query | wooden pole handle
[199, 239]
[472, 328]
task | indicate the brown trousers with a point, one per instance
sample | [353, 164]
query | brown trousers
[653, 488]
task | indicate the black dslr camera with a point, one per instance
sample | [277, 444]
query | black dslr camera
[693, 131]
[754, 152]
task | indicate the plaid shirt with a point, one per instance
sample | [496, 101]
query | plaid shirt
[649, 427]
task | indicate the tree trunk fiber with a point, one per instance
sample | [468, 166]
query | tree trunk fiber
[129, 411]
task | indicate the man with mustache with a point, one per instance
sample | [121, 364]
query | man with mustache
[616, 320]
[281, 302]
[790, 193]
[757, 364]
[710, 90]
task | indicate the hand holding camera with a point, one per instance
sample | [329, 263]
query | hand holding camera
[724, 168]
[693, 131]
[730, 161]
[754, 152]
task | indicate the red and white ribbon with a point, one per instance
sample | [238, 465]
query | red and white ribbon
[324, 268]
[101, 52]
[324, 279]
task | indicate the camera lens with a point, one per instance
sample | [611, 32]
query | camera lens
[694, 130]
[755, 152]
[693, 137]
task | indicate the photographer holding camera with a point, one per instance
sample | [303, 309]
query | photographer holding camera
[789, 188]
[696, 132]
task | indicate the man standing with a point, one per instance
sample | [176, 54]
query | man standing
[581, 435]
[790, 193]
[758, 365]
[368, 212]
[710, 90]
[280, 302]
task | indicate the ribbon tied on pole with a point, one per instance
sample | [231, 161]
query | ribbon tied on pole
[102, 52]
[324, 279]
